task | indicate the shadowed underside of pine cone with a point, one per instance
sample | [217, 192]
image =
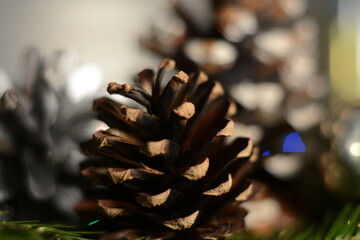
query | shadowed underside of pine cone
[168, 169]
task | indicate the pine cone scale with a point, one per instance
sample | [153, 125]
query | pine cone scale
[169, 171]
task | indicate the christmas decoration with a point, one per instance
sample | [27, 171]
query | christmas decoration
[167, 168]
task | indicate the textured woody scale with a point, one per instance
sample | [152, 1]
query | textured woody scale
[169, 168]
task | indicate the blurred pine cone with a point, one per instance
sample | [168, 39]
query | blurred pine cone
[39, 155]
[264, 52]
[168, 169]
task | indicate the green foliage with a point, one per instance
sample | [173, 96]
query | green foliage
[33, 230]
[342, 226]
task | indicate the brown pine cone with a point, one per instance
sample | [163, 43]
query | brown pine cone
[169, 170]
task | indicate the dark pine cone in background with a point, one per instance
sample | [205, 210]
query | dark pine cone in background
[168, 170]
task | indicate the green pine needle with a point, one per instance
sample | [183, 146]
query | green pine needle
[93, 222]
[34, 230]
[343, 226]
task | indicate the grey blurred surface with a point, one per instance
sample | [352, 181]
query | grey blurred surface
[104, 32]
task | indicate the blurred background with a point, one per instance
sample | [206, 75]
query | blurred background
[103, 33]
[106, 33]
[292, 65]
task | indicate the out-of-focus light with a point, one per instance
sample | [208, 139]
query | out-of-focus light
[298, 69]
[293, 8]
[61, 65]
[261, 212]
[84, 81]
[293, 143]
[5, 83]
[305, 117]
[265, 96]
[283, 166]
[217, 52]
[355, 149]
[93, 222]
[347, 138]
[277, 43]
[102, 126]
[167, 32]
[254, 132]
[306, 31]
[94, 126]
[243, 23]
[245, 93]
[271, 96]
[266, 153]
